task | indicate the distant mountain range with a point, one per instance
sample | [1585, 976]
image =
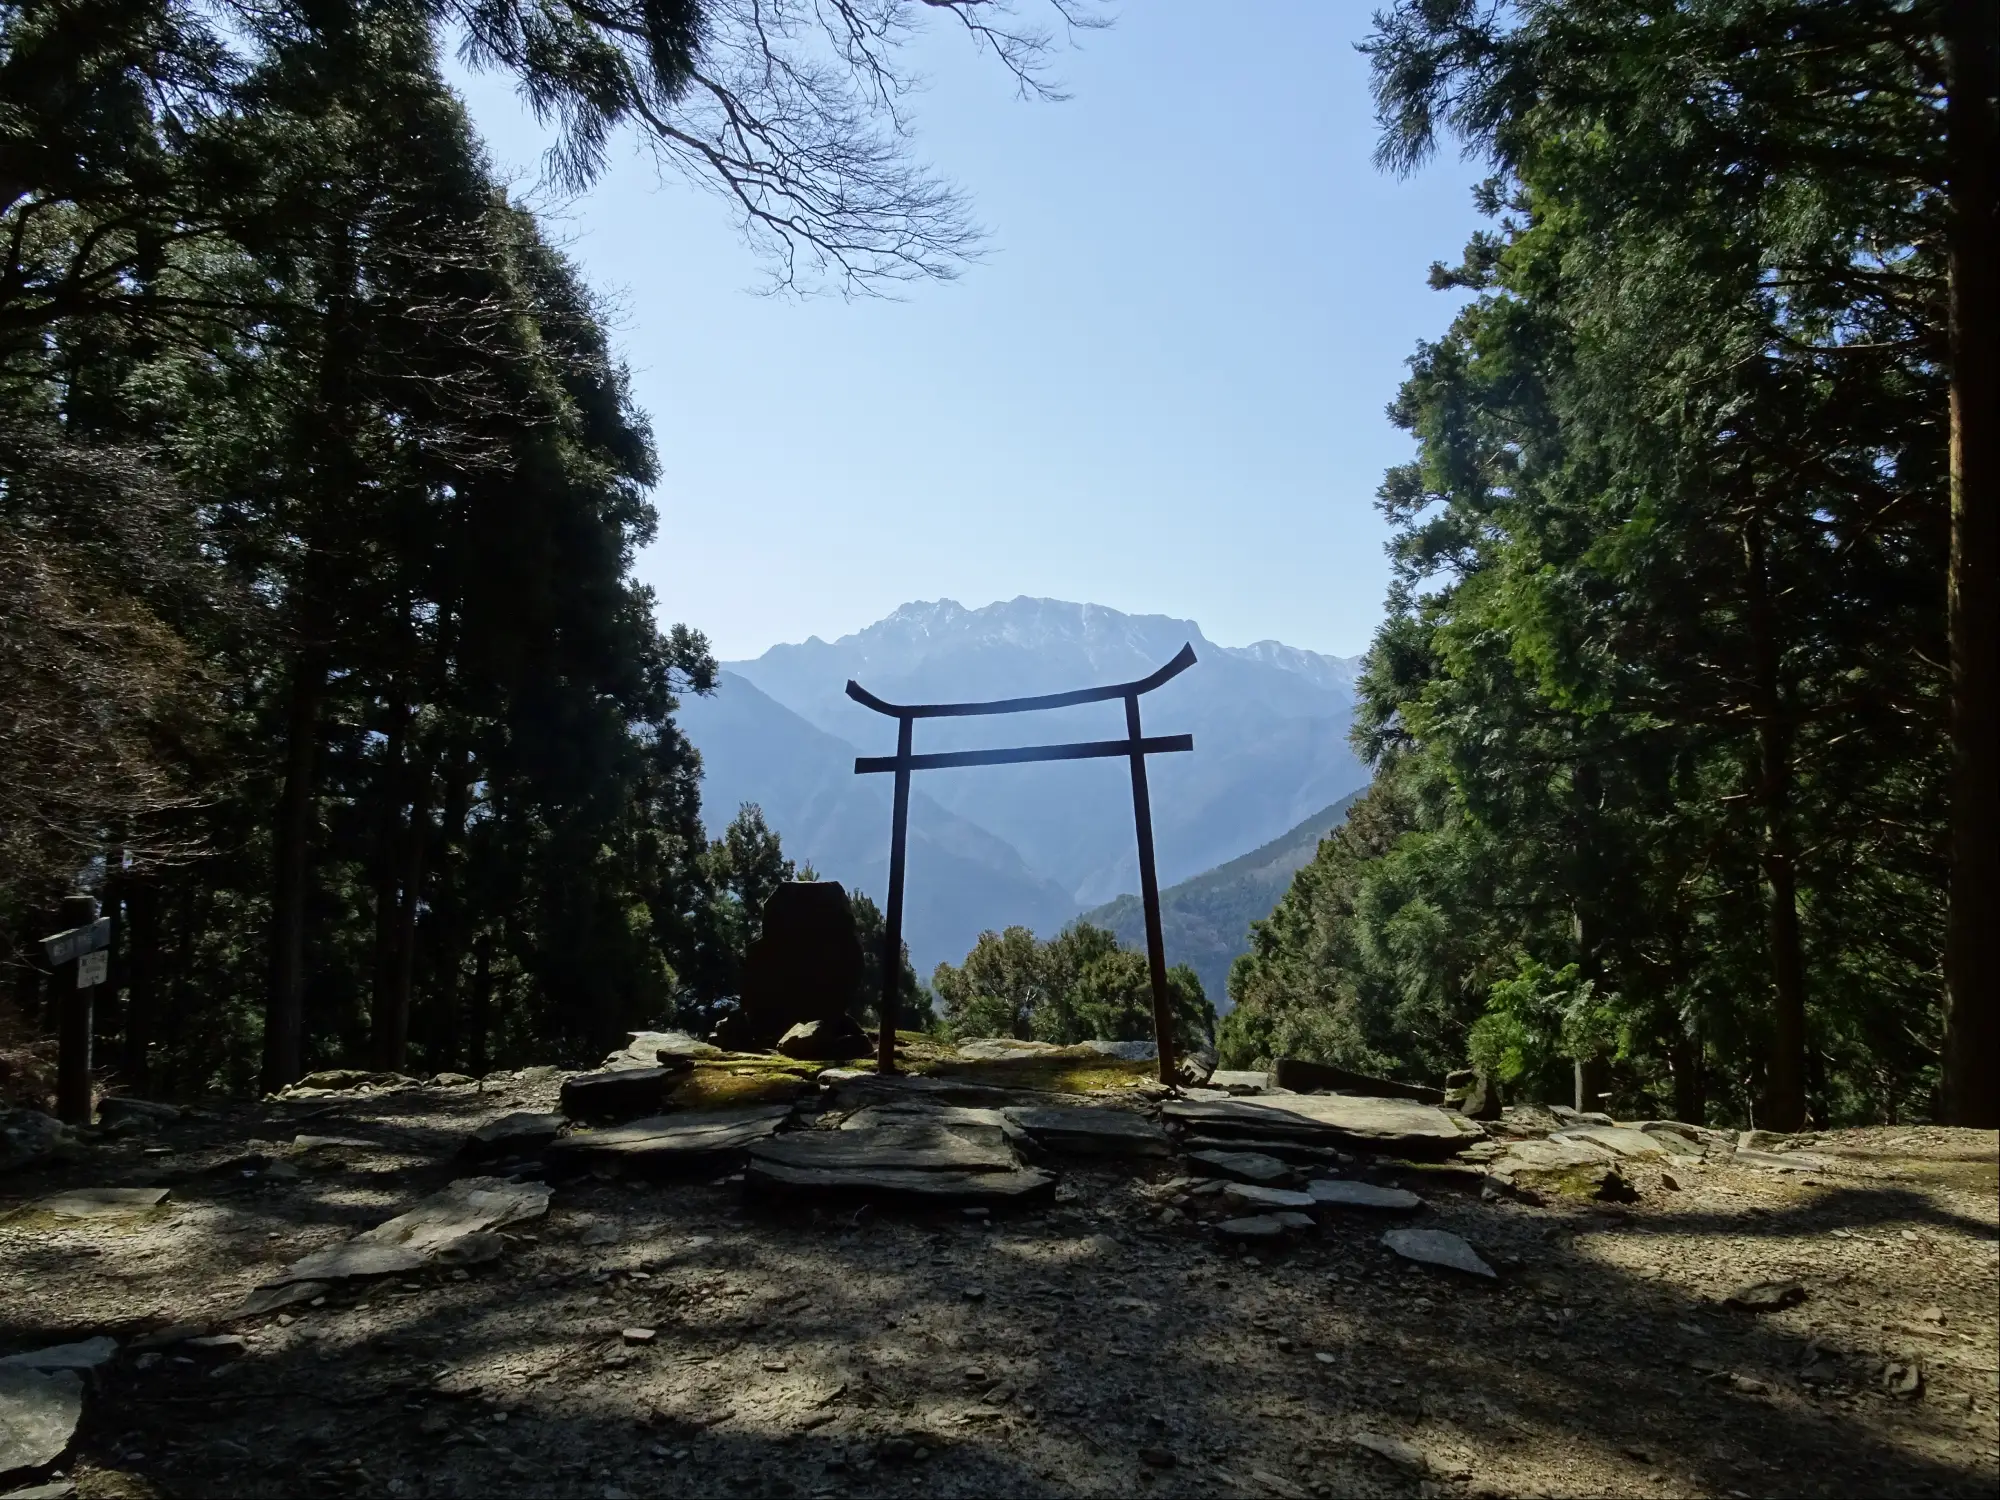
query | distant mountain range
[1033, 844]
[1206, 921]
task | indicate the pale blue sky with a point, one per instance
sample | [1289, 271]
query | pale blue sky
[1162, 391]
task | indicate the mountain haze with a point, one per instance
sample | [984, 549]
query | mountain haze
[962, 878]
[1033, 844]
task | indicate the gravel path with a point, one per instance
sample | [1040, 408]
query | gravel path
[1089, 1348]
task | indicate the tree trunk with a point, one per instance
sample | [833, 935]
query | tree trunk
[416, 841]
[448, 907]
[1592, 1076]
[482, 1002]
[386, 1037]
[142, 978]
[1690, 1081]
[1785, 1097]
[284, 1011]
[1970, 1085]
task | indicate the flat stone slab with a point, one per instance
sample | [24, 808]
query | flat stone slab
[1304, 1077]
[1680, 1139]
[1243, 1166]
[1238, 1081]
[1634, 1145]
[1374, 1124]
[1298, 1152]
[1366, 1196]
[1002, 1048]
[522, 1133]
[1253, 1228]
[1248, 1195]
[270, 1299]
[38, 1417]
[912, 1146]
[670, 1143]
[125, 1107]
[1528, 1159]
[1782, 1161]
[943, 1189]
[456, 1224]
[1437, 1247]
[1093, 1132]
[617, 1094]
[855, 1089]
[648, 1049]
[85, 1354]
[101, 1203]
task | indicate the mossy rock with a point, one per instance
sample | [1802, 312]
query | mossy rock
[739, 1084]
[1066, 1072]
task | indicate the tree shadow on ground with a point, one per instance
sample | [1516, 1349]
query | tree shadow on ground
[1084, 1365]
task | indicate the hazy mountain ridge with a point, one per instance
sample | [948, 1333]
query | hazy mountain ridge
[963, 878]
[1270, 724]
[1269, 721]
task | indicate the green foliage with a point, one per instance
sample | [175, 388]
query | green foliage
[1078, 986]
[1657, 712]
[915, 1008]
[1536, 1023]
[1207, 919]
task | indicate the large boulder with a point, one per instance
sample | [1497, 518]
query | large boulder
[28, 1136]
[834, 1040]
[806, 962]
[1482, 1099]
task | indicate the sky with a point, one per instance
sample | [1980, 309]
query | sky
[1162, 389]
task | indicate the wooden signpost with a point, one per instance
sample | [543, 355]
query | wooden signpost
[1135, 746]
[87, 948]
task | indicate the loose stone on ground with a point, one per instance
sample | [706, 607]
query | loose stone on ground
[456, 1223]
[1437, 1247]
[38, 1417]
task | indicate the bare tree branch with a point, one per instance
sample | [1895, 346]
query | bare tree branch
[793, 111]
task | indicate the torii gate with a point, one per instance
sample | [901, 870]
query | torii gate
[1134, 745]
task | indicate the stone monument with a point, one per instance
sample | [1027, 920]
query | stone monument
[805, 965]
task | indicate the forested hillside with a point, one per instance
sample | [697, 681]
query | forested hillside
[1207, 920]
[321, 657]
[1669, 700]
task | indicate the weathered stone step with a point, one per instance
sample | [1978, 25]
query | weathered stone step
[1400, 1125]
[1298, 1152]
[913, 1145]
[669, 1144]
[1093, 1132]
[1243, 1166]
[619, 1093]
[941, 1189]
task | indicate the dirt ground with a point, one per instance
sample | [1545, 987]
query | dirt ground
[1100, 1346]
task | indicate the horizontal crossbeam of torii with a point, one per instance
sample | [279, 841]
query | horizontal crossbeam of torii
[1134, 746]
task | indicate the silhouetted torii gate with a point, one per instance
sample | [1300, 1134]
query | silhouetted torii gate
[1134, 746]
